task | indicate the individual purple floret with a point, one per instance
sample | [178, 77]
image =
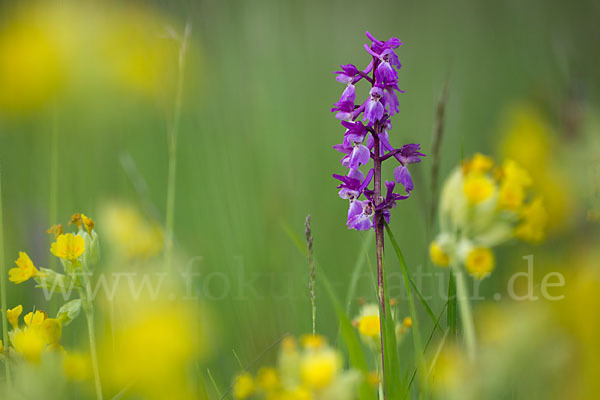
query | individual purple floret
[369, 141]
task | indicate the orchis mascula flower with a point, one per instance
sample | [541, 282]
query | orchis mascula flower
[362, 134]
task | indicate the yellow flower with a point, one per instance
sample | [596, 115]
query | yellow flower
[51, 330]
[76, 366]
[512, 190]
[319, 368]
[480, 262]
[312, 341]
[369, 325]
[30, 344]
[267, 379]
[479, 164]
[1, 346]
[438, 255]
[25, 270]
[478, 188]
[13, 316]
[34, 318]
[533, 222]
[68, 247]
[88, 223]
[243, 386]
[76, 220]
[56, 230]
[407, 322]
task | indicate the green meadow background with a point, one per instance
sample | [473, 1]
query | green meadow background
[254, 146]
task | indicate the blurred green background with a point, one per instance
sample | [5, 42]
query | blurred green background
[254, 147]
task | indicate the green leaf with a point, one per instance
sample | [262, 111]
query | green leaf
[355, 351]
[391, 378]
[451, 313]
[416, 335]
[69, 311]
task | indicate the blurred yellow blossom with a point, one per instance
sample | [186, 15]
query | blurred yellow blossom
[76, 366]
[68, 247]
[480, 262]
[243, 386]
[478, 188]
[129, 233]
[482, 206]
[312, 341]
[267, 379]
[437, 255]
[318, 368]
[528, 138]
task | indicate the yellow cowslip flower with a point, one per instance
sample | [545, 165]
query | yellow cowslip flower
[534, 219]
[30, 344]
[319, 368]
[34, 318]
[369, 325]
[76, 220]
[478, 188]
[438, 255]
[267, 379]
[68, 247]
[88, 223]
[479, 164]
[51, 329]
[243, 386]
[512, 190]
[56, 230]
[312, 341]
[25, 270]
[76, 366]
[407, 322]
[480, 262]
[13, 315]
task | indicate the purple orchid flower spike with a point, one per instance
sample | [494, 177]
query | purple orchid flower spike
[368, 209]
[369, 141]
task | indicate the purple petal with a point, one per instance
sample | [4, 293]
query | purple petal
[402, 176]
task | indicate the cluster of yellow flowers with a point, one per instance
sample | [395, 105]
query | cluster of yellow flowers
[368, 325]
[312, 370]
[69, 248]
[483, 205]
[39, 334]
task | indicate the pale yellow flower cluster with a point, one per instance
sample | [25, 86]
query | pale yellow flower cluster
[481, 206]
[307, 370]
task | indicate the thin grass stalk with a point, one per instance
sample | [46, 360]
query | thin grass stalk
[53, 200]
[438, 134]
[3, 290]
[172, 144]
[311, 266]
[466, 315]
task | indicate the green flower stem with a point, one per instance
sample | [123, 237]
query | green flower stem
[172, 143]
[3, 290]
[466, 315]
[88, 308]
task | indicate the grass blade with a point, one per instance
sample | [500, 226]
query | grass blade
[451, 313]
[418, 348]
